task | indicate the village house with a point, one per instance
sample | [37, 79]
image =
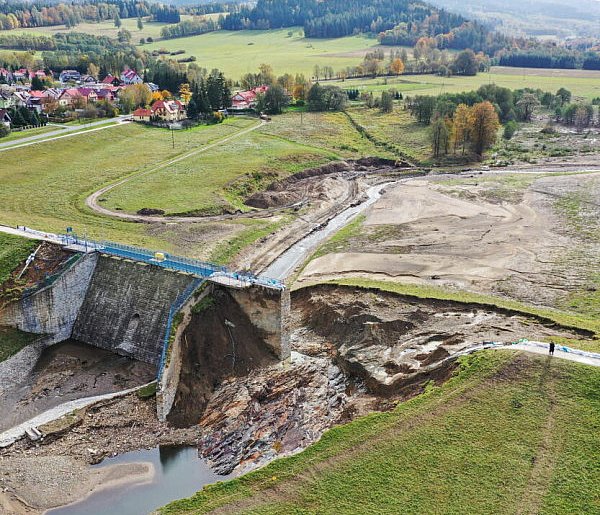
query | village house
[247, 99]
[89, 94]
[169, 110]
[69, 76]
[131, 77]
[111, 80]
[69, 97]
[142, 115]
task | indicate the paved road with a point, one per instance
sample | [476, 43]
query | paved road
[65, 131]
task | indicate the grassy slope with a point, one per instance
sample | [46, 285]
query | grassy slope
[17, 135]
[199, 183]
[240, 52]
[324, 130]
[505, 433]
[49, 191]
[105, 28]
[13, 250]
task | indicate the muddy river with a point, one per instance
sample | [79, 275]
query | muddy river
[177, 472]
[67, 371]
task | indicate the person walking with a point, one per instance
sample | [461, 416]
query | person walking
[551, 348]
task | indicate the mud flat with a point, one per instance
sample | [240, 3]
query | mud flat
[67, 371]
[484, 235]
[46, 482]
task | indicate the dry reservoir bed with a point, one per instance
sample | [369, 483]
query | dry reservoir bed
[531, 237]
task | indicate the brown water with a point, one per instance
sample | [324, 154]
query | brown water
[67, 371]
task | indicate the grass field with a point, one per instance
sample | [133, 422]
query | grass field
[239, 52]
[331, 131]
[581, 83]
[507, 434]
[105, 28]
[17, 135]
[49, 191]
[208, 184]
[13, 250]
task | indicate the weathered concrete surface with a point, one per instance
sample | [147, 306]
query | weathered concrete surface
[53, 310]
[269, 310]
[126, 308]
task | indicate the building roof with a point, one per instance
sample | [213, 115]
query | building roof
[142, 112]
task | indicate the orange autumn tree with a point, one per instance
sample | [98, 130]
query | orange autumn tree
[461, 128]
[397, 66]
[484, 124]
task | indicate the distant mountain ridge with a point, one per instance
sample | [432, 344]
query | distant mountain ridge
[533, 17]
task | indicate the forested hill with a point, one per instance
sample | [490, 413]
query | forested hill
[337, 18]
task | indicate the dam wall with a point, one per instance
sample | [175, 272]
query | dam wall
[126, 307]
[52, 310]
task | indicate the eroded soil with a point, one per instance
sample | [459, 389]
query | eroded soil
[355, 351]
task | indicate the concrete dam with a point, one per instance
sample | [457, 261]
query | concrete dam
[194, 330]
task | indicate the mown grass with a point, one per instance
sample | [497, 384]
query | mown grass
[240, 52]
[45, 185]
[198, 184]
[17, 135]
[477, 444]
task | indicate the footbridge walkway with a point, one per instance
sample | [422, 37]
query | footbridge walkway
[195, 267]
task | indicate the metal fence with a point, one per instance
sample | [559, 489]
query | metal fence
[165, 260]
[175, 307]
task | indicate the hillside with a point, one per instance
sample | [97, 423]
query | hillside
[559, 18]
[509, 433]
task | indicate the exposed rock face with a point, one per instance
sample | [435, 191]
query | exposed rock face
[220, 341]
[272, 412]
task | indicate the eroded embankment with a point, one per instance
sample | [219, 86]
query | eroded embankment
[355, 351]
[219, 341]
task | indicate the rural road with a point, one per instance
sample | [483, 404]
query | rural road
[63, 132]
[92, 200]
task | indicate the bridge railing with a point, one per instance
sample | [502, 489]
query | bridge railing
[174, 309]
[178, 263]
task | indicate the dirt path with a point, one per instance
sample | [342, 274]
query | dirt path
[92, 200]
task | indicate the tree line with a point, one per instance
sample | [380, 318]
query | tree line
[191, 27]
[16, 14]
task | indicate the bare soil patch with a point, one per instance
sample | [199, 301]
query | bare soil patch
[485, 235]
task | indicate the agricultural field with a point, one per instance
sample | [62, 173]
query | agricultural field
[507, 433]
[240, 52]
[582, 83]
[104, 28]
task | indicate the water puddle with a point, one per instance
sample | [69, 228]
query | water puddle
[178, 472]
